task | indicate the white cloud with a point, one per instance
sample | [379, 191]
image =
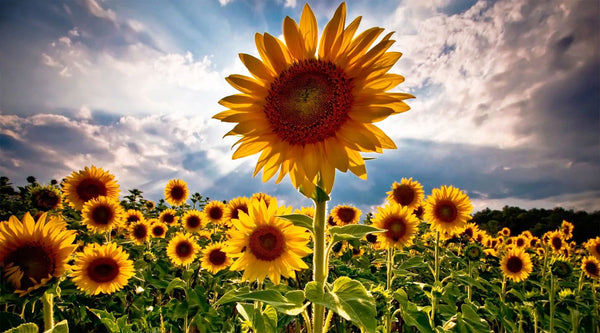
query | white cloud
[98, 11]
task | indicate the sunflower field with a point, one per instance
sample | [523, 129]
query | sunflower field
[80, 256]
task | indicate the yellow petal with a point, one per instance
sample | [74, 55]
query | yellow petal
[357, 164]
[309, 31]
[293, 40]
[332, 31]
[336, 154]
[249, 148]
[384, 83]
[247, 85]
[277, 53]
[370, 114]
[257, 68]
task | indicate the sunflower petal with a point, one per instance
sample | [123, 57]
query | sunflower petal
[332, 32]
[309, 31]
[257, 68]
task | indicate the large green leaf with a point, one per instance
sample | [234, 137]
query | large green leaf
[176, 283]
[352, 231]
[259, 320]
[291, 303]
[61, 327]
[107, 319]
[300, 220]
[412, 314]
[469, 321]
[348, 298]
[24, 328]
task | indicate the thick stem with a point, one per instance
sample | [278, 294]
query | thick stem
[48, 308]
[436, 277]
[319, 268]
[469, 287]
[390, 266]
[552, 305]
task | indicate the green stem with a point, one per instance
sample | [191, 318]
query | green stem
[469, 287]
[48, 308]
[307, 321]
[552, 305]
[436, 276]
[319, 269]
[328, 320]
[390, 266]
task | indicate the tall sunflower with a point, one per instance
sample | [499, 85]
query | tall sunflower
[182, 249]
[214, 258]
[567, 229]
[89, 183]
[176, 192]
[32, 253]
[192, 220]
[345, 214]
[308, 111]
[266, 245]
[102, 214]
[102, 269]
[400, 225]
[448, 209]
[516, 264]
[408, 192]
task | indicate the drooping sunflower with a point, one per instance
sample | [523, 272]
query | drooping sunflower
[308, 111]
[266, 245]
[192, 220]
[516, 264]
[473, 252]
[214, 258]
[215, 212]
[527, 234]
[345, 214]
[169, 217]
[158, 229]
[32, 253]
[406, 193]
[102, 269]
[448, 209]
[139, 232]
[560, 267]
[182, 249]
[591, 267]
[102, 214]
[400, 225]
[133, 215]
[45, 198]
[84, 185]
[237, 204]
[593, 247]
[176, 192]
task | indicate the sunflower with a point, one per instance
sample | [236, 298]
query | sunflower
[591, 267]
[527, 234]
[534, 242]
[215, 212]
[516, 265]
[192, 220]
[158, 229]
[169, 217]
[311, 113]
[521, 241]
[473, 251]
[149, 205]
[406, 193]
[182, 249]
[176, 192]
[102, 214]
[505, 232]
[399, 223]
[32, 253]
[84, 185]
[561, 267]
[45, 198]
[214, 258]
[345, 214]
[237, 204]
[261, 196]
[567, 229]
[204, 236]
[102, 269]
[556, 241]
[266, 245]
[132, 216]
[470, 230]
[139, 232]
[448, 209]
[593, 247]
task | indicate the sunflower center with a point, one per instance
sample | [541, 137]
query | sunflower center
[217, 257]
[520, 242]
[404, 195]
[183, 249]
[177, 193]
[46, 200]
[267, 243]
[235, 214]
[396, 228]
[168, 218]
[446, 211]
[103, 270]
[474, 252]
[346, 214]
[309, 102]
[132, 218]
[469, 232]
[514, 264]
[140, 231]
[215, 213]
[158, 231]
[591, 268]
[372, 238]
[556, 243]
[193, 221]
[33, 260]
[102, 215]
[89, 189]
[598, 247]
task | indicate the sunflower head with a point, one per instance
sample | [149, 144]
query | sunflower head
[265, 245]
[561, 267]
[193, 220]
[473, 252]
[309, 113]
[158, 229]
[139, 232]
[567, 229]
[169, 217]
[308, 211]
[591, 267]
[176, 192]
[556, 241]
[470, 230]
[214, 258]
[593, 247]
[237, 204]
[516, 265]
[182, 249]
[45, 198]
[32, 253]
[448, 209]
[133, 216]
[406, 193]
[84, 185]
[102, 214]
[102, 269]
[345, 214]
[504, 232]
[399, 223]
[216, 212]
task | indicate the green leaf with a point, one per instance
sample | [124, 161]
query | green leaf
[300, 220]
[107, 319]
[61, 327]
[291, 303]
[348, 298]
[411, 313]
[176, 283]
[260, 321]
[472, 319]
[24, 328]
[414, 262]
[467, 280]
[352, 231]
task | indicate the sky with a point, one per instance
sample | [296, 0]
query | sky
[507, 103]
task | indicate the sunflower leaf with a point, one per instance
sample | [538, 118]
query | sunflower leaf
[299, 220]
[291, 303]
[24, 328]
[177, 283]
[61, 327]
[348, 298]
[107, 318]
[352, 231]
